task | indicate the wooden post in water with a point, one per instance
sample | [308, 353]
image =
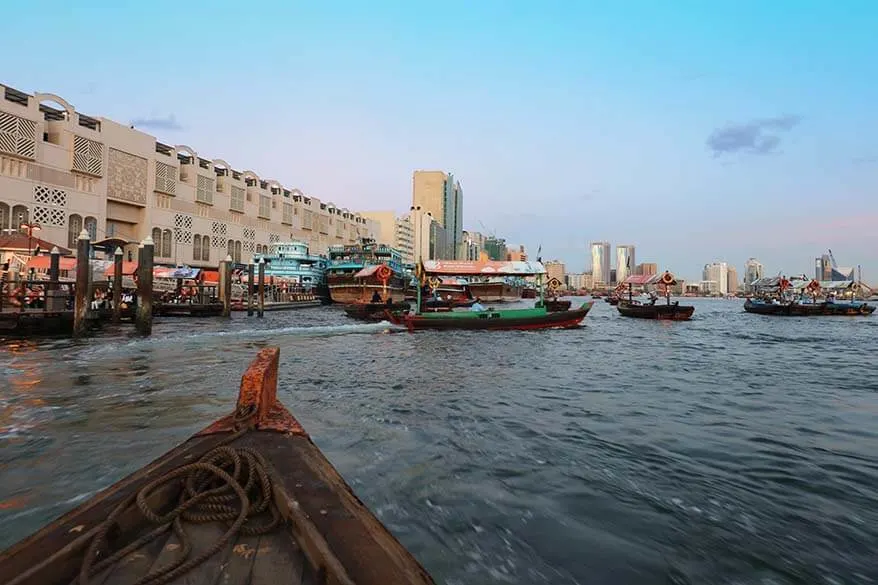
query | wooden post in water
[250, 275]
[83, 276]
[261, 285]
[145, 253]
[225, 284]
[117, 285]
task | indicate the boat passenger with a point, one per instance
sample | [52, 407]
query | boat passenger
[478, 306]
[389, 300]
[376, 298]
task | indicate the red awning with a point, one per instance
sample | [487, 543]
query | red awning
[128, 269]
[367, 271]
[43, 262]
[642, 279]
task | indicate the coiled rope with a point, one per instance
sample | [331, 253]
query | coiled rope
[228, 484]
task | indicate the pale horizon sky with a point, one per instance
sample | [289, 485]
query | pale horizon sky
[697, 131]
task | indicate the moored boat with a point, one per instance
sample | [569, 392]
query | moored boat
[495, 290]
[250, 499]
[668, 311]
[357, 271]
[293, 264]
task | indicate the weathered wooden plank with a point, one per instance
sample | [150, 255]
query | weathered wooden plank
[278, 560]
[335, 530]
[134, 565]
[204, 537]
[238, 566]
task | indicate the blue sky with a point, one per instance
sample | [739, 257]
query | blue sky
[696, 130]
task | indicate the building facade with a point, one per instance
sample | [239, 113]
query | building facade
[438, 193]
[715, 278]
[516, 254]
[579, 281]
[66, 171]
[555, 269]
[496, 248]
[600, 263]
[395, 231]
[732, 281]
[647, 268]
[625, 264]
[753, 271]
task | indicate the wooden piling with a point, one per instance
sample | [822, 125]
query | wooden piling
[143, 318]
[83, 276]
[250, 276]
[117, 285]
[225, 284]
[261, 286]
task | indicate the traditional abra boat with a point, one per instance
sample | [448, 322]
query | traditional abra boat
[665, 312]
[537, 317]
[800, 297]
[250, 499]
[356, 271]
[494, 289]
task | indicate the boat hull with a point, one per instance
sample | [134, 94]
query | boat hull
[495, 292]
[809, 309]
[660, 312]
[348, 290]
[310, 527]
[515, 319]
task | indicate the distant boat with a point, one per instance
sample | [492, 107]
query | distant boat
[667, 311]
[797, 309]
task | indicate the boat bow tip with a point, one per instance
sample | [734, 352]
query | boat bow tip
[258, 406]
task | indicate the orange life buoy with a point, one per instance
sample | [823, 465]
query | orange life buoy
[667, 278]
[383, 272]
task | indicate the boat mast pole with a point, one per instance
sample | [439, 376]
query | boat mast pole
[420, 274]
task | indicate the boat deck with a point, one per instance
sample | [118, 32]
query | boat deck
[323, 532]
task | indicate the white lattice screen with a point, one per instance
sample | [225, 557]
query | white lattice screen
[273, 238]
[218, 235]
[49, 216]
[183, 228]
[88, 156]
[205, 190]
[18, 135]
[249, 233]
[50, 196]
[165, 178]
[249, 245]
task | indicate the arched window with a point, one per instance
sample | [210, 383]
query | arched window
[4, 216]
[237, 255]
[166, 243]
[74, 226]
[196, 247]
[157, 240]
[205, 249]
[91, 226]
[20, 215]
[232, 249]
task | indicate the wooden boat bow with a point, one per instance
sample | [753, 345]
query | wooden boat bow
[173, 521]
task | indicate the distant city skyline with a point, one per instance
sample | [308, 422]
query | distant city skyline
[692, 130]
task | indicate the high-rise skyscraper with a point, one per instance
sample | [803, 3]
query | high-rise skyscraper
[752, 271]
[716, 278]
[732, 281]
[439, 194]
[600, 262]
[625, 264]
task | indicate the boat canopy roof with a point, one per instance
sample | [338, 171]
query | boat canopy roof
[483, 268]
[643, 279]
[367, 271]
[827, 284]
